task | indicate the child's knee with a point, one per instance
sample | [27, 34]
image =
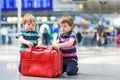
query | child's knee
[69, 73]
[72, 71]
[19, 68]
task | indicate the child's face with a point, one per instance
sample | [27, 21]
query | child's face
[29, 26]
[65, 28]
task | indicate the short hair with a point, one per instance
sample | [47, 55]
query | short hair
[28, 18]
[67, 19]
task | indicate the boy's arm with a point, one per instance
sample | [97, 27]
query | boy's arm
[39, 42]
[56, 42]
[65, 44]
[22, 40]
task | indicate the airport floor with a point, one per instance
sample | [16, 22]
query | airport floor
[95, 63]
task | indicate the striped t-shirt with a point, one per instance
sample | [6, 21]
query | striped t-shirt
[31, 36]
[69, 52]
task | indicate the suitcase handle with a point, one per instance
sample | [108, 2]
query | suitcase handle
[39, 47]
[42, 47]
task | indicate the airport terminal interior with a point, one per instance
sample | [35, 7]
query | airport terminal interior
[96, 60]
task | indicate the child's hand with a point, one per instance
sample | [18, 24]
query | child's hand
[38, 45]
[30, 44]
[56, 46]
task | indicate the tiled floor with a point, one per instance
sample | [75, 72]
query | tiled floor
[95, 63]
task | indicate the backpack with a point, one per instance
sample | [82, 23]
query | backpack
[79, 36]
[45, 30]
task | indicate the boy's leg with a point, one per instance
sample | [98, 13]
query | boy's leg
[19, 68]
[64, 68]
[19, 64]
[71, 67]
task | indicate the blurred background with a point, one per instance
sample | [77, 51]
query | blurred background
[86, 14]
[95, 62]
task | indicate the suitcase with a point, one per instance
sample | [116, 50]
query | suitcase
[41, 61]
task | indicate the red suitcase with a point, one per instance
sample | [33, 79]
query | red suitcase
[41, 61]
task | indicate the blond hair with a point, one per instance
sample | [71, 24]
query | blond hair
[28, 18]
[67, 19]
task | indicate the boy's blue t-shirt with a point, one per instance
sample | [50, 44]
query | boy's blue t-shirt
[31, 36]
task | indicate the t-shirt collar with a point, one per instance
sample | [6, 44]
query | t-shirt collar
[67, 34]
[28, 31]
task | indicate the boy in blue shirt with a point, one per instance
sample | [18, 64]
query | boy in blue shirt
[28, 37]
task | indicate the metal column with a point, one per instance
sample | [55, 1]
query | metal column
[19, 15]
